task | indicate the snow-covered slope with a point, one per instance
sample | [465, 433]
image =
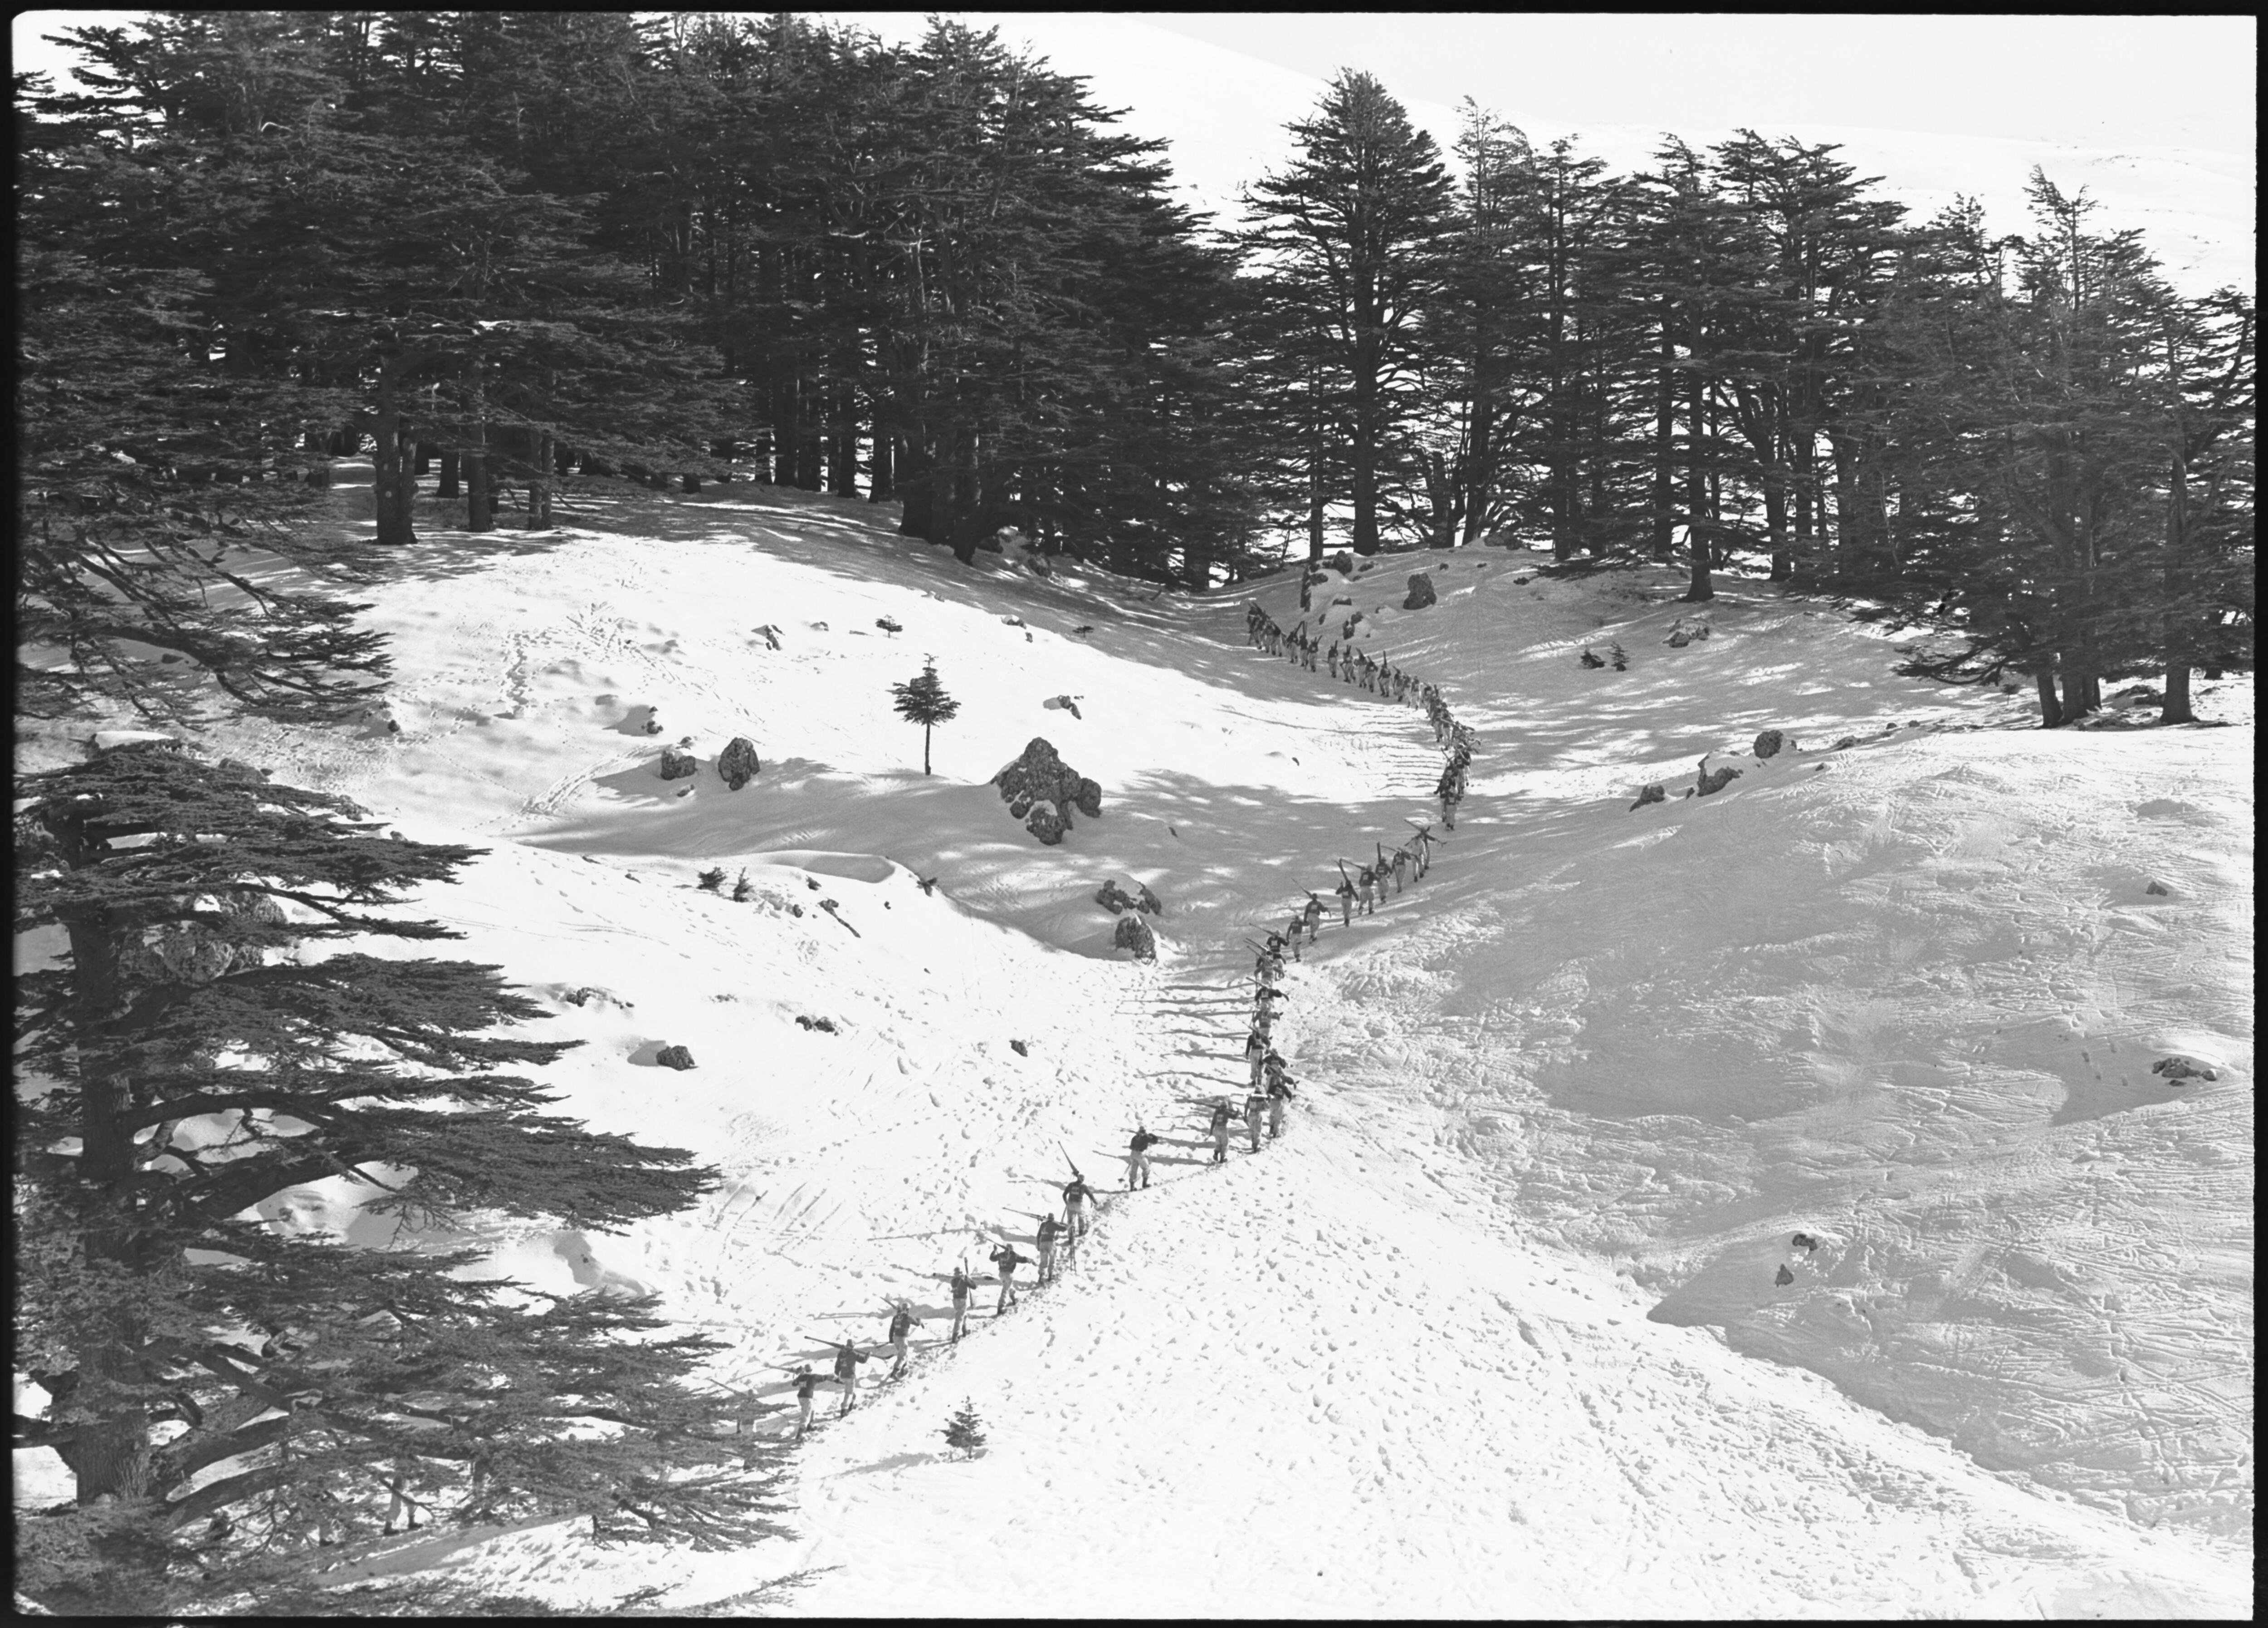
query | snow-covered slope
[1481, 1335]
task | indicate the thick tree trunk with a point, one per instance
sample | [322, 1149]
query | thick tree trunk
[843, 443]
[917, 487]
[425, 464]
[392, 485]
[1783, 558]
[452, 462]
[2050, 708]
[2175, 707]
[1665, 449]
[882, 487]
[1699, 544]
[539, 483]
[480, 502]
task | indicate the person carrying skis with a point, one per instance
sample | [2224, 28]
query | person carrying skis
[1279, 1094]
[1222, 1115]
[1364, 886]
[1076, 1195]
[1292, 934]
[902, 1323]
[1050, 1229]
[1255, 1103]
[1346, 901]
[1138, 1158]
[806, 1390]
[1255, 1048]
[847, 1359]
[962, 1284]
[1315, 914]
[1007, 1260]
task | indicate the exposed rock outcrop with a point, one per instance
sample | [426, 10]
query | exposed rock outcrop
[1421, 592]
[676, 765]
[1772, 742]
[673, 1057]
[1133, 933]
[1654, 793]
[737, 762]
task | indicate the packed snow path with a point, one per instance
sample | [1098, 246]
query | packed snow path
[1904, 1001]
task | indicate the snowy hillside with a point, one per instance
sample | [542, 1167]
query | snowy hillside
[1496, 1330]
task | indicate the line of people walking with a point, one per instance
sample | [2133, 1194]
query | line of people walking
[1269, 1091]
[1380, 678]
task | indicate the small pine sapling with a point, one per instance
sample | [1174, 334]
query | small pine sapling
[923, 701]
[964, 1432]
[743, 889]
[711, 881]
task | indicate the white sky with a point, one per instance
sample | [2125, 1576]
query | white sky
[2057, 78]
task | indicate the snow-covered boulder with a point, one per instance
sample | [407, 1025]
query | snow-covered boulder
[1421, 592]
[1772, 742]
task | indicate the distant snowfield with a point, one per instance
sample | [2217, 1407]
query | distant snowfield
[1496, 1330]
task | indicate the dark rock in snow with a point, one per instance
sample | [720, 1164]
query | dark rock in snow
[1846, 742]
[1655, 793]
[1772, 742]
[1133, 933]
[1046, 825]
[673, 1057]
[1712, 781]
[676, 765]
[1019, 1048]
[2177, 1068]
[1148, 901]
[1678, 639]
[1783, 1277]
[737, 762]
[1591, 660]
[2159, 889]
[1114, 898]
[1421, 592]
[1087, 797]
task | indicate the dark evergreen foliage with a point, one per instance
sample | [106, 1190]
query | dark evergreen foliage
[922, 700]
[189, 1052]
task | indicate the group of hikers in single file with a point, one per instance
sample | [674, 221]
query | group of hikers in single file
[1267, 1092]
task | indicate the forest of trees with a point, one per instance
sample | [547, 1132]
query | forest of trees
[519, 249]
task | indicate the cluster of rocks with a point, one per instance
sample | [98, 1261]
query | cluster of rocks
[673, 1057]
[2173, 1069]
[1421, 592]
[1681, 634]
[825, 1026]
[1117, 901]
[737, 763]
[1041, 790]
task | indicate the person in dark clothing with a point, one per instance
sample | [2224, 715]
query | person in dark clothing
[1221, 1117]
[1279, 1094]
[1050, 1229]
[847, 1359]
[1138, 1158]
[1007, 1260]
[962, 1284]
[807, 1389]
[902, 1323]
[1255, 1105]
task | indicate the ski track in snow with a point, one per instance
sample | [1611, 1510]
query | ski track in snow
[1477, 1337]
